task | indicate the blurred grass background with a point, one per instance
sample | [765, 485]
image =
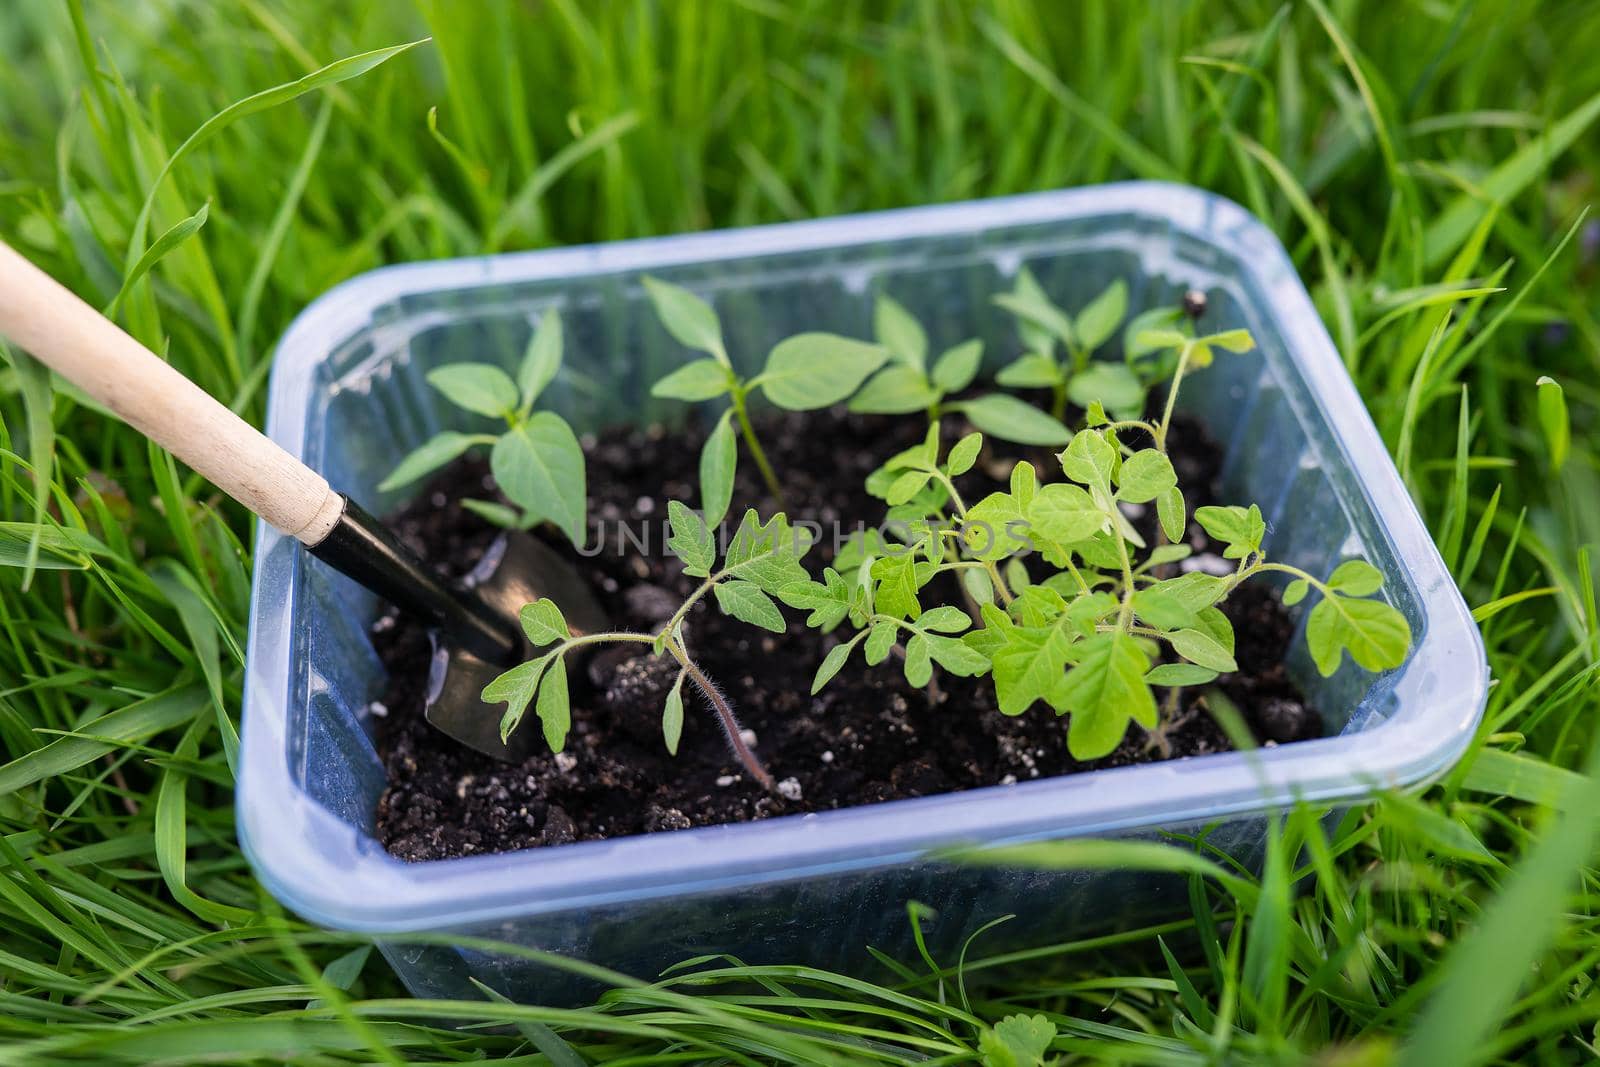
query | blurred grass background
[1428, 163]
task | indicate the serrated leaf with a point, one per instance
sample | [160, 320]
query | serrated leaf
[543, 622]
[919, 661]
[896, 592]
[690, 320]
[1112, 385]
[672, 715]
[691, 540]
[1161, 609]
[1554, 421]
[1035, 370]
[1180, 674]
[1100, 317]
[515, 688]
[828, 601]
[767, 553]
[1089, 459]
[1017, 1041]
[1060, 516]
[880, 639]
[719, 459]
[816, 370]
[429, 457]
[481, 388]
[956, 656]
[1202, 649]
[1030, 666]
[1011, 419]
[994, 528]
[1375, 634]
[1145, 476]
[832, 664]
[699, 380]
[1241, 529]
[539, 466]
[963, 455]
[898, 330]
[954, 370]
[541, 360]
[945, 619]
[555, 712]
[1171, 512]
[749, 603]
[895, 390]
[1103, 692]
[1355, 577]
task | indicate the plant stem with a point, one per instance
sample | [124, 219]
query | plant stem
[725, 716]
[757, 453]
[961, 510]
[1172, 398]
[1058, 401]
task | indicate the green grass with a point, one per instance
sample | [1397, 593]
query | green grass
[1426, 161]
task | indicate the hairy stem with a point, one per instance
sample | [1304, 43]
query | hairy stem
[1172, 399]
[961, 511]
[741, 412]
[725, 716]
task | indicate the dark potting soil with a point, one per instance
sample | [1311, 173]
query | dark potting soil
[867, 737]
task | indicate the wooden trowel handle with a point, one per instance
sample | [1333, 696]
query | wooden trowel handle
[43, 318]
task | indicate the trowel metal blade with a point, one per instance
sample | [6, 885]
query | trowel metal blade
[516, 570]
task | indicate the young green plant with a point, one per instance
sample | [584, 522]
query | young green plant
[1069, 371]
[536, 459]
[803, 373]
[907, 384]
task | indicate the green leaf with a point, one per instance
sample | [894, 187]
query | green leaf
[1024, 485]
[994, 528]
[1232, 340]
[978, 585]
[672, 715]
[1554, 421]
[919, 661]
[1100, 318]
[899, 332]
[1170, 510]
[1112, 385]
[769, 553]
[1295, 592]
[1010, 419]
[1104, 691]
[1202, 649]
[482, 388]
[1146, 475]
[543, 622]
[1030, 666]
[954, 370]
[542, 359]
[896, 593]
[515, 688]
[833, 663]
[895, 390]
[828, 603]
[1028, 302]
[1375, 634]
[719, 457]
[690, 320]
[1195, 590]
[1090, 459]
[749, 603]
[179, 233]
[816, 370]
[1180, 674]
[963, 455]
[1150, 340]
[51, 547]
[701, 379]
[1017, 1041]
[1035, 370]
[1241, 529]
[880, 639]
[1355, 577]
[956, 656]
[1161, 609]
[946, 618]
[555, 713]
[1154, 324]
[923, 456]
[1060, 516]
[539, 467]
[429, 457]
[691, 540]
[498, 513]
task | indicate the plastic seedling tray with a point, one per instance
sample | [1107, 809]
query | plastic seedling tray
[348, 396]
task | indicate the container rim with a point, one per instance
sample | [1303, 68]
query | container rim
[346, 881]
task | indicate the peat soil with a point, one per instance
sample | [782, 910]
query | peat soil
[867, 737]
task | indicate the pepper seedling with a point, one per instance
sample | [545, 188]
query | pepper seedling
[536, 460]
[908, 384]
[803, 373]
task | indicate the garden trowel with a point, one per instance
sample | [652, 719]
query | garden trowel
[476, 630]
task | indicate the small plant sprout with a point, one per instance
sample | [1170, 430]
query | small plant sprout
[1092, 627]
[1070, 373]
[907, 384]
[803, 373]
[536, 460]
[762, 559]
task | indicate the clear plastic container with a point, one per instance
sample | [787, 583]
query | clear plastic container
[348, 397]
